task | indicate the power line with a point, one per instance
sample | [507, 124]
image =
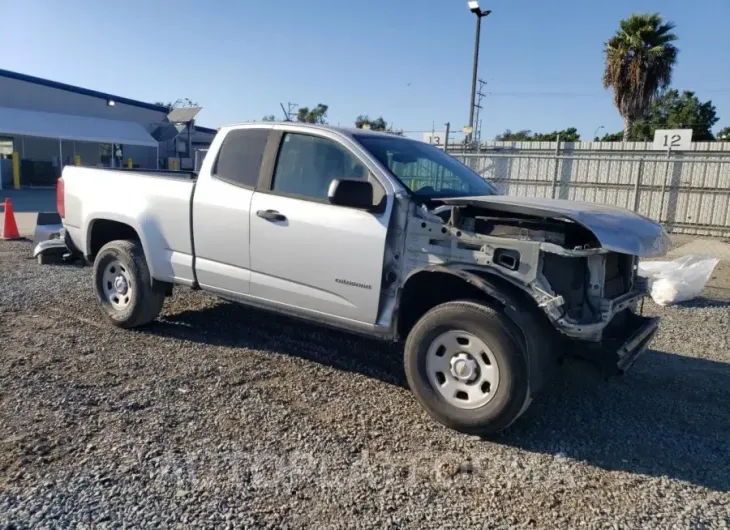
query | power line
[594, 94]
[546, 94]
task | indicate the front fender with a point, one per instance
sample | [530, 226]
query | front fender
[531, 326]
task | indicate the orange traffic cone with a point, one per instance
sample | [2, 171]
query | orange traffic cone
[10, 227]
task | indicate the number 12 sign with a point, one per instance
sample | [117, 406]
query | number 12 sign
[674, 139]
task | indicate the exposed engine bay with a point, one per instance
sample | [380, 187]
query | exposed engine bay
[561, 263]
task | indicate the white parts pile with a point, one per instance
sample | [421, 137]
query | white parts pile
[676, 281]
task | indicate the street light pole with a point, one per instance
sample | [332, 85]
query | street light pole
[474, 8]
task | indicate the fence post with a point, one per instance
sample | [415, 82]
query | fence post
[637, 184]
[664, 185]
[557, 166]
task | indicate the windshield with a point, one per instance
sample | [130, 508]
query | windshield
[426, 170]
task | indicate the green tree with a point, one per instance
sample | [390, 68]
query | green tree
[613, 137]
[317, 114]
[167, 105]
[675, 110]
[525, 135]
[519, 136]
[723, 134]
[269, 117]
[378, 124]
[639, 61]
[566, 135]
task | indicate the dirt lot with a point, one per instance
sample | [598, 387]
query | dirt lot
[221, 416]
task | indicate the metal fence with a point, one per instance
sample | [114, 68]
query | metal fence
[688, 193]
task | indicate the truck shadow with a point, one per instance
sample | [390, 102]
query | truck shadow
[700, 302]
[668, 417]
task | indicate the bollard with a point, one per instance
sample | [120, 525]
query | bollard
[16, 171]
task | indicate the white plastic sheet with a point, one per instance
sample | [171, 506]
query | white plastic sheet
[679, 280]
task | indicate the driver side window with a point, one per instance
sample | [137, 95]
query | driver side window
[306, 166]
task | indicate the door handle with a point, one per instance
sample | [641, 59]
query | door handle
[271, 215]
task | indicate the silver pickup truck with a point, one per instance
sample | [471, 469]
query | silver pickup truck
[382, 235]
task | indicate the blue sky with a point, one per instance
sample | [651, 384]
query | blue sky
[407, 60]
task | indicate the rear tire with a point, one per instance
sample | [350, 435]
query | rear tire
[124, 287]
[479, 384]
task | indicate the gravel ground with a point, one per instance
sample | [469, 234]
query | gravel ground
[221, 416]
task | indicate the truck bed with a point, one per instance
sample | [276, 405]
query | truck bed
[162, 173]
[157, 204]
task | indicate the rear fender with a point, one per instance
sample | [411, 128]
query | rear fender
[142, 235]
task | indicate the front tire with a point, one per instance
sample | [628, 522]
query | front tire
[467, 369]
[123, 285]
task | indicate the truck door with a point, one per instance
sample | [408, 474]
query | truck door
[221, 205]
[307, 253]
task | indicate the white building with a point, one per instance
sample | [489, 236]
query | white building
[51, 124]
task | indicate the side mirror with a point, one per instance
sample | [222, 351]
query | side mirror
[353, 193]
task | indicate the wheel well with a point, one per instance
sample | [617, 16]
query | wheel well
[103, 231]
[427, 289]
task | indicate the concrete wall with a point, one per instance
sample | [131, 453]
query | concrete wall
[24, 95]
[16, 93]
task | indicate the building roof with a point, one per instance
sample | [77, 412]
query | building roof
[208, 130]
[79, 90]
[70, 127]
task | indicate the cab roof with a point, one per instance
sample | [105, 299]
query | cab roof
[345, 131]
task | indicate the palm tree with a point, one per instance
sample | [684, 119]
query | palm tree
[639, 62]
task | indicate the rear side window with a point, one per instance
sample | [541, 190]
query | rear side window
[239, 160]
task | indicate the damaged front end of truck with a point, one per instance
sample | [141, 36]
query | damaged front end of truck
[578, 262]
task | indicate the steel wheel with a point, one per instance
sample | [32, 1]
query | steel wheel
[463, 369]
[467, 368]
[124, 288]
[117, 285]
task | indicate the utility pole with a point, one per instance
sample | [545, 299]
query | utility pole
[478, 106]
[479, 134]
[288, 113]
[480, 14]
